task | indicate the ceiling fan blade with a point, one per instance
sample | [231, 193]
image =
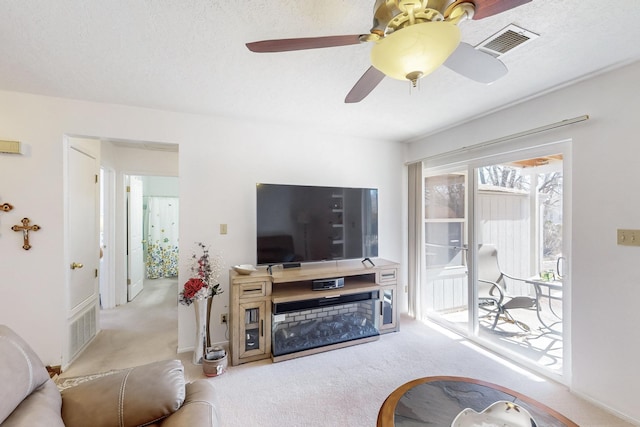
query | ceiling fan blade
[369, 80]
[475, 64]
[284, 45]
[485, 8]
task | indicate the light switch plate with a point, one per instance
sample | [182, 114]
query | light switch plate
[629, 237]
[223, 228]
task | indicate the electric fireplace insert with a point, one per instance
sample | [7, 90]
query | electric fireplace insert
[312, 323]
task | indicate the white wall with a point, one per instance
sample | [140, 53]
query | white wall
[220, 161]
[604, 276]
[220, 188]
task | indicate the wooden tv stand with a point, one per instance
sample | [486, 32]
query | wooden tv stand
[253, 296]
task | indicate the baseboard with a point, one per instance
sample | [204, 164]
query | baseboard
[634, 421]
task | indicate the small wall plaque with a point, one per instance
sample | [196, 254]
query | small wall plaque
[10, 147]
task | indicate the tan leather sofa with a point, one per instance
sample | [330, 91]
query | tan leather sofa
[149, 395]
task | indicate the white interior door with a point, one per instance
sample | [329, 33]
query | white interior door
[82, 262]
[83, 227]
[135, 261]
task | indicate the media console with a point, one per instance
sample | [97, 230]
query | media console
[281, 316]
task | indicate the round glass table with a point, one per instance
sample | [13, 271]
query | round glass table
[436, 401]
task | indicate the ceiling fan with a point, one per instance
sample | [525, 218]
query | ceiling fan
[411, 38]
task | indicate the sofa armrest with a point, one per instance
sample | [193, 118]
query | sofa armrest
[40, 409]
[21, 371]
[199, 408]
[131, 397]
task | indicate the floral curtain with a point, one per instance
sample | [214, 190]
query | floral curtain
[162, 237]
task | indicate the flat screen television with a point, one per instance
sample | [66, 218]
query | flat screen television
[298, 223]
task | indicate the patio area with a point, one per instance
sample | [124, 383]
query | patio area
[537, 336]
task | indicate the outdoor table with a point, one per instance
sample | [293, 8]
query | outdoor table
[551, 290]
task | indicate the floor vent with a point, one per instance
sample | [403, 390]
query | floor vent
[81, 331]
[506, 40]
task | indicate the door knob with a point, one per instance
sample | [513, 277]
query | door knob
[75, 265]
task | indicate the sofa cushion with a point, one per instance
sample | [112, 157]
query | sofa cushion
[21, 370]
[131, 397]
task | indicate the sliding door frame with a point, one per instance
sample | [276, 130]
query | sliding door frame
[471, 161]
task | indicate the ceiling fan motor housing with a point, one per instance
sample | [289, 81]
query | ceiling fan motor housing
[392, 15]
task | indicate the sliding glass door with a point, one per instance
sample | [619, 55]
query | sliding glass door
[495, 263]
[519, 223]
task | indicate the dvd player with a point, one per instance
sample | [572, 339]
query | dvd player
[323, 284]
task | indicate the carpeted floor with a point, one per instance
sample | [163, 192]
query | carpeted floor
[339, 388]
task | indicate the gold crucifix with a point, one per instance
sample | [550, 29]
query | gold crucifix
[25, 228]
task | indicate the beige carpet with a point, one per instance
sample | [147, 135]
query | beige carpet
[139, 332]
[339, 388]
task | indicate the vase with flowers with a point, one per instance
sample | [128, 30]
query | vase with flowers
[199, 290]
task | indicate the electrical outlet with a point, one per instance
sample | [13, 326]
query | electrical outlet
[223, 318]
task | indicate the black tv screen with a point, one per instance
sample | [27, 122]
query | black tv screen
[297, 223]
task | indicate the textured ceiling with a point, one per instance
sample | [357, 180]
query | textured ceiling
[189, 56]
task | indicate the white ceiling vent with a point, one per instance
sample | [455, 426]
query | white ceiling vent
[506, 40]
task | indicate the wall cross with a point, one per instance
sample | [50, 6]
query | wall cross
[25, 228]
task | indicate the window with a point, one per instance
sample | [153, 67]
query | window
[445, 210]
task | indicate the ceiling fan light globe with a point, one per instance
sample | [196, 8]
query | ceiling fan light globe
[415, 50]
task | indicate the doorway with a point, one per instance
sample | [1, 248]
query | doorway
[121, 159]
[513, 204]
[118, 160]
[152, 230]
